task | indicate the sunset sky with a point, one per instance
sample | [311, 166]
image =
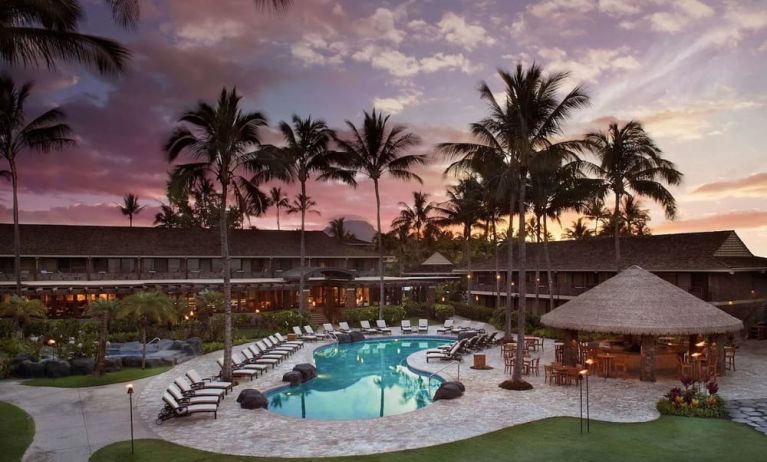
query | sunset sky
[693, 71]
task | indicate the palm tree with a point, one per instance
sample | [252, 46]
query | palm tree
[463, 208]
[337, 228]
[130, 207]
[417, 218]
[208, 303]
[223, 142]
[105, 311]
[578, 230]
[22, 310]
[47, 132]
[307, 150]
[303, 205]
[278, 199]
[147, 308]
[635, 217]
[630, 163]
[595, 211]
[375, 150]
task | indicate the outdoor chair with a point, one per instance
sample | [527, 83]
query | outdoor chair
[320, 335]
[285, 341]
[174, 409]
[729, 358]
[548, 374]
[329, 329]
[260, 356]
[381, 325]
[269, 352]
[302, 336]
[447, 326]
[249, 373]
[423, 325]
[453, 354]
[533, 366]
[199, 382]
[186, 388]
[406, 327]
[253, 358]
[273, 346]
[283, 346]
[343, 326]
[365, 325]
[179, 396]
[685, 368]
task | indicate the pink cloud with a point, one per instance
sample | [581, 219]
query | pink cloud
[739, 219]
[752, 185]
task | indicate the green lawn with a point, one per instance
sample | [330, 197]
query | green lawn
[557, 439]
[16, 431]
[79, 381]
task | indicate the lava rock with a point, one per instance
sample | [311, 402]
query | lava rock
[307, 370]
[343, 338]
[82, 366]
[57, 368]
[21, 357]
[113, 364]
[356, 336]
[468, 334]
[520, 385]
[252, 399]
[30, 370]
[135, 361]
[195, 344]
[294, 377]
[449, 390]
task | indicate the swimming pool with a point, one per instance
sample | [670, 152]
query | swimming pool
[360, 380]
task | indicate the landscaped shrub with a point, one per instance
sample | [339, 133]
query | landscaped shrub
[284, 320]
[442, 312]
[694, 399]
[533, 324]
[353, 317]
[419, 310]
[7, 328]
[473, 312]
[393, 314]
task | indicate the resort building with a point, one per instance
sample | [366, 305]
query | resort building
[714, 266]
[67, 266]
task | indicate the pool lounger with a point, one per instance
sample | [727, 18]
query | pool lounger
[343, 326]
[319, 335]
[182, 399]
[447, 326]
[301, 335]
[199, 382]
[276, 342]
[406, 327]
[285, 341]
[453, 353]
[174, 409]
[423, 325]
[249, 373]
[381, 325]
[186, 388]
[365, 325]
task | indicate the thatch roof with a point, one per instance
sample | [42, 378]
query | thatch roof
[436, 259]
[637, 302]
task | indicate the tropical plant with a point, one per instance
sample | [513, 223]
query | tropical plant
[630, 163]
[307, 152]
[223, 142]
[303, 205]
[279, 200]
[635, 216]
[22, 310]
[147, 308]
[419, 219]
[337, 229]
[207, 304]
[105, 311]
[578, 230]
[47, 132]
[595, 211]
[375, 150]
[130, 207]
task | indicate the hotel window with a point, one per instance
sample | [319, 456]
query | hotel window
[127, 265]
[205, 265]
[235, 264]
[174, 265]
[193, 264]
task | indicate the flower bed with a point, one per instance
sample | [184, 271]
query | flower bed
[694, 399]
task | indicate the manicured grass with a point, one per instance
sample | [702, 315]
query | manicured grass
[17, 428]
[79, 381]
[557, 439]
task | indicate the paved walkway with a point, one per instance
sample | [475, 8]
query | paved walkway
[752, 412]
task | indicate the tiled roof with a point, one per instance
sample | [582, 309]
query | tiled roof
[707, 251]
[66, 240]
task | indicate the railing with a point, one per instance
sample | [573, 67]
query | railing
[451, 363]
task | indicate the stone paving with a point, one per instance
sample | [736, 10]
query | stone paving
[752, 412]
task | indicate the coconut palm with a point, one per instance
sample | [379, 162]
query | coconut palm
[130, 207]
[417, 218]
[223, 142]
[463, 208]
[278, 199]
[374, 150]
[307, 150]
[578, 230]
[303, 205]
[105, 311]
[595, 211]
[635, 216]
[22, 310]
[208, 303]
[630, 163]
[47, 132]
[147, 308]
[337, 229]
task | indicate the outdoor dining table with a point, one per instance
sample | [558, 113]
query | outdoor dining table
[561, 371]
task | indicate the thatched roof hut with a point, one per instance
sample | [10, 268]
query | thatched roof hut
[637, 302]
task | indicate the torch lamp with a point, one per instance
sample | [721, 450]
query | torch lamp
[129, 389]
[584, 374]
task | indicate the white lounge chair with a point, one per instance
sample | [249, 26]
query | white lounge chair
[406, 327]
[423, 325]
[381, 325]
[276, 342]
[274, 346]
[463, 326]
[251, 361]
[179, 396]
[259, 357]
[451, 354]
[175, 409]
[285, 341]
[271, 353]
[329, 328]
[365, 325]
[447, 326]
[301, 335]
[343, 326]
[319, 335]
[199, 382]
[249, 373]
[186, 387]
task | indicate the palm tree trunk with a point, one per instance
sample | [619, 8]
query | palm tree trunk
[548, 263]
[616, 231]
[16, 229]
[537, 262]
[103, 333]
[130, 221]
[509, 264]
[302, 297]
[380, 249]
[143, 345]
[497, 267]
[516, 375]
[467, 249]
[278, 217]
[226, 373]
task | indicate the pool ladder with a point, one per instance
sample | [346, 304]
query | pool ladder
[449, 364]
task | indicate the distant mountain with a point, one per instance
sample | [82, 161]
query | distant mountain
[361, 229]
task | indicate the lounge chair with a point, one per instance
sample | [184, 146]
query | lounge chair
[175, 409]
[249, 373]
[186, 388]
[275, 345]
[329, 329]
[302, 336]
[285, 341]
[365, 326]
[453, 353]
[319, 335]
[423, 325]
[252, 361]
[182, 399]
[447, 326]
[269, 352]
[463, 326]
[343, 326]
[406, 327]
[381, 325]
[259, 357]
[199, 382]
[277, 342]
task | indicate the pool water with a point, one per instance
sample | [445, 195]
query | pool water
[360, 380]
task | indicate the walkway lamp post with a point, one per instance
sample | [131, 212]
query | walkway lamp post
[584, 374]
[129, 388]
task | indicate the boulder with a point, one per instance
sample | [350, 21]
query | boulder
[135, 361]
[343, 338]
[21, 357]
[177, 345]
[449, 390]
[113, 364]
[252, 399]
[195, 344]
[307, 370]
[356, 336]
[83, 366]
[30, 370]
[57, 368]
[294, 377]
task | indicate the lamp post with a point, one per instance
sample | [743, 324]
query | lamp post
[584, 373]
[52, 344]
[129, 388]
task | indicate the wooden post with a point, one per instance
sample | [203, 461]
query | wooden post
[570, 357]
[719, 352]
[647, 361]
[351, 298]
